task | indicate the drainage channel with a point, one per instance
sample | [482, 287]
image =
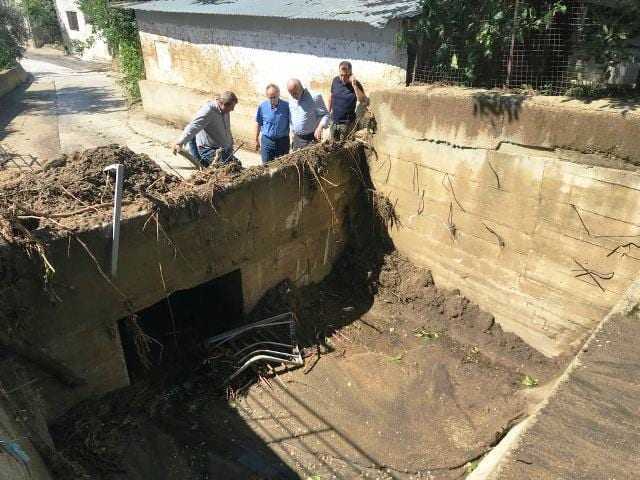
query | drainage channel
[401, 380]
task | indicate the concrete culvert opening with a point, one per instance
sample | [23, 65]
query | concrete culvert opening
[175, 329]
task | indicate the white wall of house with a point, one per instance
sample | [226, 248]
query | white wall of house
[212, 53]
[98, 49]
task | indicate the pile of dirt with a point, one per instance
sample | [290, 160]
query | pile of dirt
[71, 190]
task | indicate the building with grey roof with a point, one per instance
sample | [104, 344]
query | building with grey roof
[193, 48]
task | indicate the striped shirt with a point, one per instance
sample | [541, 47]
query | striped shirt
[307, 113]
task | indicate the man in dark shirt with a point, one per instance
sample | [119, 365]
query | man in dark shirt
[346, 91]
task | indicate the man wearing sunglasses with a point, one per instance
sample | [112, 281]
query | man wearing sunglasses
[272, 126]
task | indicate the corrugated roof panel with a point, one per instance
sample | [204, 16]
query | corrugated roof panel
[374, 12]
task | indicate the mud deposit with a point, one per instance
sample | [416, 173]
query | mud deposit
[401, 380]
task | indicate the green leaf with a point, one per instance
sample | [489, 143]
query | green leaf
[529, 381]
[396, 359]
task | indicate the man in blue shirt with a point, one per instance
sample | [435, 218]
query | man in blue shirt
[309, 115]
[346, 91]
[272, 120]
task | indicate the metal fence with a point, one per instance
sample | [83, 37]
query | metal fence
[547, 62]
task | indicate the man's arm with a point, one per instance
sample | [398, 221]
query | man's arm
[359, 90]
[200, 120]
[258, 127]
[322, 113]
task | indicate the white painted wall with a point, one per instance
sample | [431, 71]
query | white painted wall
[99, 50]
[253, 52]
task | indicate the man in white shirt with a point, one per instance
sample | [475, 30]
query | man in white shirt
[308, 115]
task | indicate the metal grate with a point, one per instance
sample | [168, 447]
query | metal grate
[272, 340]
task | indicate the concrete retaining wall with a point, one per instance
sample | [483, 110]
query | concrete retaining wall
[189, 56]
[504, 197]
[10, 79]
[265, 226]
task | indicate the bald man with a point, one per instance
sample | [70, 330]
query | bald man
[308, 113]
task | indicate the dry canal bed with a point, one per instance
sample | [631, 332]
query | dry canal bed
[401, 380]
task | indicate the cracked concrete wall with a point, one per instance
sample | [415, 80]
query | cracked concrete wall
[504, 197]
[188, 58]
[266, 227]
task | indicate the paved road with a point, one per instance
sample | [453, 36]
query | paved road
[73, 105]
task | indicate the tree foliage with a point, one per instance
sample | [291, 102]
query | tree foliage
[474, 36]
[118, 27]
[13, 36]
[41, 13]
[610, 27]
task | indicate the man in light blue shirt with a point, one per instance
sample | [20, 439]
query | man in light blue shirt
[309, 115]
[272, 120]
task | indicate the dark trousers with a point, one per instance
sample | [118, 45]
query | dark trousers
[339, 131]
[205, 155]
[301, 141]
[271, 148]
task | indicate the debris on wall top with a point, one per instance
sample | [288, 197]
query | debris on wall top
[377, 13]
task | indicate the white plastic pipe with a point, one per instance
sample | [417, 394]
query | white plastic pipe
[117, 210]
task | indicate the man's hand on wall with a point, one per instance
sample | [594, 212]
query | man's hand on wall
[176, 148]
[318, 133]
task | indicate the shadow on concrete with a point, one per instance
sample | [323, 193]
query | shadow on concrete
[94, 100]
[61, 60]
[497, 104]
[624, 104]
[23, 100]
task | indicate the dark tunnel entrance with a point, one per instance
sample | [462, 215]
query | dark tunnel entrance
[173, 330]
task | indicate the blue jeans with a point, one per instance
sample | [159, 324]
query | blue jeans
[271, 148]
[205, 154]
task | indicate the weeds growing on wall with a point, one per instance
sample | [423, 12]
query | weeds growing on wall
[118, 27]
[13, 36]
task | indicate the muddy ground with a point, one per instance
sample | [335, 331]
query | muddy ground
[402, 380]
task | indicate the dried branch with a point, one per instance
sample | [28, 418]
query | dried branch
[586, 229]
[450, 225]
[452, 191]
[594, 275]
[498, 237]
[626, 245]
[496, 174]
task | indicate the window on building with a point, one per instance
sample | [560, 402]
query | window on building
[72, 18]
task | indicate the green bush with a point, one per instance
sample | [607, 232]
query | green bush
[41, 13]
[13, 36]
[119, 29]
[132, 68]
[472, 37]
